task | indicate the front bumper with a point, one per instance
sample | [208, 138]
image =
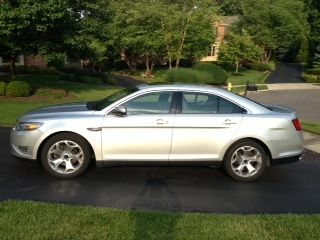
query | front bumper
[286, 160]
[24, 143]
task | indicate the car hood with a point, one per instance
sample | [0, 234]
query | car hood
[59, 111]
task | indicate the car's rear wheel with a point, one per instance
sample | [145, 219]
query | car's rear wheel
[65, 155]
[245, 161]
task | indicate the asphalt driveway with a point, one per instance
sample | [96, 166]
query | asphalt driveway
[291, 188]
[286, 73]
[305, 102]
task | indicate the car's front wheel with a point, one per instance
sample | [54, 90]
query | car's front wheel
[65, 155]
[245, 161]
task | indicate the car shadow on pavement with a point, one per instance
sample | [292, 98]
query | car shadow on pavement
[155, 192]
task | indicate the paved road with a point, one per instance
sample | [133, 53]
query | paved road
[306, 102]
[286, 73]
[288, 188]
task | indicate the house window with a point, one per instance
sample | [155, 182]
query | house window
[6, 61]
[212, 50]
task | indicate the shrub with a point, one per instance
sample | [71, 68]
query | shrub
[111, 81]
[218, 75]
[185, 75]
[36, 70]
[315, 71]
[90, 80]
[96, 80]
[3, 88]
[54, 93]
[18, 89]
[309, 78]
[81, 72]
[261, 67]
[68, 77]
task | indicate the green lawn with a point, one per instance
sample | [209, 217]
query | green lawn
[248, 75]
[311, 127]
[12, 108]
[30, 220]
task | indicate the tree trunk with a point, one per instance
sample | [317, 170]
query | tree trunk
[127, 60]
[183, 37]
[13, 59]
[237, 67]
[147, 72]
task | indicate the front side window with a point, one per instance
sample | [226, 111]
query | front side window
[202, 103]
[151, 103]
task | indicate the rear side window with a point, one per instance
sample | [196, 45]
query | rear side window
[201, 103]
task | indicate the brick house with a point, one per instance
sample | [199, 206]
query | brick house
[26, 61]
[221, 27]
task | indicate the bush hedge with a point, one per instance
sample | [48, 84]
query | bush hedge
[187, 75]
[261, 67]
[36, 70]
[3, 88]
[315, 71]
[18, 89]
[310, 78]
[90, 80]
[218, 75]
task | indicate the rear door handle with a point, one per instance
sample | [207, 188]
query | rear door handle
[229, 122]
[161, 122]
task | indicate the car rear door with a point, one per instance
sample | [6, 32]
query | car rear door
[204, 124]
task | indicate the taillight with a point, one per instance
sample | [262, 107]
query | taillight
[296, 124]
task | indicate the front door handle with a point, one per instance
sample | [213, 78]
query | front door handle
[161, 122]
[229, 122]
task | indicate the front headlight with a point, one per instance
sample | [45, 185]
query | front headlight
[27, 126]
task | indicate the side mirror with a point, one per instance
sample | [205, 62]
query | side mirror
[119, 111]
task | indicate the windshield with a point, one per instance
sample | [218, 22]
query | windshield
[103, 103]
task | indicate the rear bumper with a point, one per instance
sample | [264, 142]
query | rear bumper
[285, 160]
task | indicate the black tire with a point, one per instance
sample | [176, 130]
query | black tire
[82, 145]
[229, 166]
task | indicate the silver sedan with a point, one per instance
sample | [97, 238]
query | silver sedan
[161, 124]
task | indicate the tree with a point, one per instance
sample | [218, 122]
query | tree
[166, 31]
[239, 48]
[279, 27]
[48, 27]
[26, 24]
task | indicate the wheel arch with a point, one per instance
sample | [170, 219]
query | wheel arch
[261, 143]
[56, 133]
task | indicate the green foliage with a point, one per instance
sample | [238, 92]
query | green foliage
[239, 48]
[34, 70]
[310, 78]
[185, 75]
[315, 71]
[53, 93]
[260, 66]
[169, 30]
[55, 60]
[18, 89]
[68, 77]
[279, 27]
[218, 75]
[90, 80]
[3, 88]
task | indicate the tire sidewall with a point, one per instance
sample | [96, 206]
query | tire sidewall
[60, 137]
[228, 156]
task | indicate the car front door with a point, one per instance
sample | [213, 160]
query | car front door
[143, 133]
[206, 122]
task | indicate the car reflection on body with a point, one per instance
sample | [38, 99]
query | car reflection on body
[161, 124]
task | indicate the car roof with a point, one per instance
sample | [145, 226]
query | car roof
[244, 102]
